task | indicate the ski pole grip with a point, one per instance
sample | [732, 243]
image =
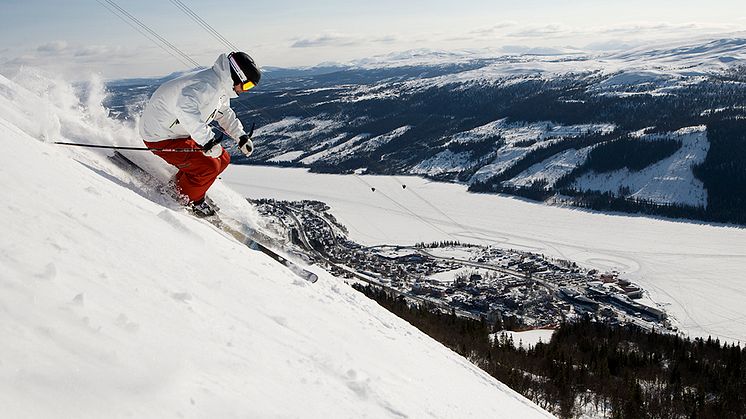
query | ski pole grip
[215, 140]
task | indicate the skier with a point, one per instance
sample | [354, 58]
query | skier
[179, 114]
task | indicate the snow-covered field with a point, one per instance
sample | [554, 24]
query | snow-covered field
[116, 303]
[697, 271]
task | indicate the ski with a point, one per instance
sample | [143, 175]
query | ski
[253, 244]
[248, 240]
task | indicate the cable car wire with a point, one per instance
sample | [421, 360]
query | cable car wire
[192, 14]
[358, 177]
[131, 24]
[145, 27]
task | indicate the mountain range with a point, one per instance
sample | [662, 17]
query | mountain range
[658, 129]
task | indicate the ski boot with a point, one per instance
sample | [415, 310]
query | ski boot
[202, 208]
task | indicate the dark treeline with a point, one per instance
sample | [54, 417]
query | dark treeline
[624, 372]
[606, 201]
[724, 171]
[630, 153]
[477, 148]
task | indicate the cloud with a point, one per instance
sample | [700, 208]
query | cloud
[640, 27]
[62, 49]
[484, 33]
[551, 30]
[94, 50]
[523, 49]
[53, 47]
[340, 40]
[385, 40]
[72, 60]
[326, 40]
[493, 30]
[612, 45]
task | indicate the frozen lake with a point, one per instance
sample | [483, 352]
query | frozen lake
[697, 271]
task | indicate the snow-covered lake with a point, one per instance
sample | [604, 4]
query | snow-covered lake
[697, 271]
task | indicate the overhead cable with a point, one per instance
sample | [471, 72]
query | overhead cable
[398, 204]
[143, 33]
[431, 205]
[121, 12]
[206, 26]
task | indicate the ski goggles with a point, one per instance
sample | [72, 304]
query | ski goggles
[246, 84]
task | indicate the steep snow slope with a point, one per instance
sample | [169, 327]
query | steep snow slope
[114, 303]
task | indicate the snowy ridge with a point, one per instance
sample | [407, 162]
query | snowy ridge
[381, 140]
[356, 144]
[115, 303]
[552, 169]
[445, 161]
[345, 148]
[519, 139]
[663, 67]
[711, 54]
[542, 133]
[693, 54]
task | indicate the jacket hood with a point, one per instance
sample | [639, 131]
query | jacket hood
[223, 70]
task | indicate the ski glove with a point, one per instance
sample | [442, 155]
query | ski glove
[213, 148]
[245, 145]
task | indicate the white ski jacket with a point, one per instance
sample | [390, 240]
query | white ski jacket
[183, 107]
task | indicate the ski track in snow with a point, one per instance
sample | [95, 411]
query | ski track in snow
[116, 303]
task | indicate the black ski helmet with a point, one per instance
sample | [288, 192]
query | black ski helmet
[243, 69]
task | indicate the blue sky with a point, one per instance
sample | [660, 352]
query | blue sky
[76, 37]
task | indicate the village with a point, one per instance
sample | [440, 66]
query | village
[517, 289]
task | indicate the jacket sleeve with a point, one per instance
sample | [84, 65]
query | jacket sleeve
[230, 123]
[189, 115]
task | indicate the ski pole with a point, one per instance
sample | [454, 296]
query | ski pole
[114, 147]
[171, 150]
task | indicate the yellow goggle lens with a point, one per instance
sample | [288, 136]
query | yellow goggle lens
[248, 85]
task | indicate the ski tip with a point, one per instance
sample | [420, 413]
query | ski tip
[306, 275]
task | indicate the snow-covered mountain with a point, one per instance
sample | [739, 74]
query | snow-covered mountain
[116, 303]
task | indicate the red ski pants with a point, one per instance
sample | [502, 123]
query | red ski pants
[197, 172]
